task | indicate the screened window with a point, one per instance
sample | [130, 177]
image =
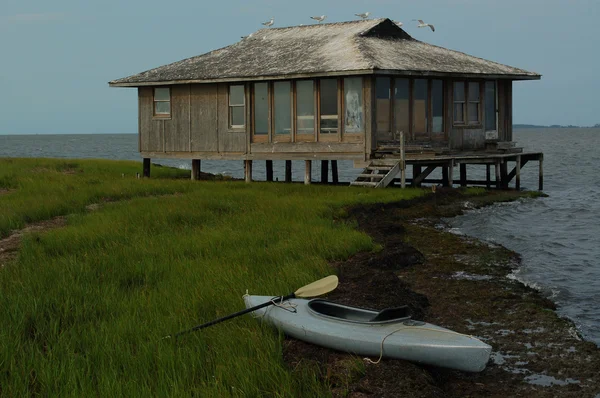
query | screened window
[283, 107]
[261, 108]
[353, 105]
[383, 96]
[237, 106]
[437, 106]
[474, 103]
[329, 106]
[401, 106]
[459, 102]
[490, 106]
[305, 107]
[420, 108]
[162, 101]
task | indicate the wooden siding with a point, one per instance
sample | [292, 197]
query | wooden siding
[177, 129]
[150, 131]
[204, 133]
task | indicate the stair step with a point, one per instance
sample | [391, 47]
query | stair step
[379, 176]
[363, 184]
[384, 168]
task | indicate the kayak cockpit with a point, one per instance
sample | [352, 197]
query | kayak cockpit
[342, 312]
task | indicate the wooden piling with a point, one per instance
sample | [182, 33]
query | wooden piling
[288, 171]
[324, 171]
[451, 173]
[334, 172]
[541, 175]
[307, 172]
[463, 175]
[269, 167]
[518, 174]
[195, 169]
[146, 167]
[488, 180]
[248, 171]
[445, 176]
[416, 173]
[498, 173]
[504, 174]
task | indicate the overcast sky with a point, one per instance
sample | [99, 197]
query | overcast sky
[56, 57]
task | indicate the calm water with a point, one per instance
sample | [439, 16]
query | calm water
[558, 237]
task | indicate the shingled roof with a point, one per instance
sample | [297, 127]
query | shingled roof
[346, 48]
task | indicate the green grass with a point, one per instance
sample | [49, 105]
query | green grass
[84, 307]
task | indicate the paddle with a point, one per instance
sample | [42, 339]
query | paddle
[317, 288]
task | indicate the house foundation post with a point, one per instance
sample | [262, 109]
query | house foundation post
[451, 173]
[195, 169]
[445, 175]
[416, 173]
[288, 171]
[504, 174]
[307, 172]
[248, 171]
[269, 167]
[541, 176]
[488, 179]
[463, 175]
[324, 171]
[146, 167]
[497, 174]
[334, 172]
[518, 174]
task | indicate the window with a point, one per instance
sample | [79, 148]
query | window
[283, 107]
[162, 101]
[401, 107]
[420, 106]
[474, 103]
[305, 107]
[329, 106]
[353, 105]
[459, 102]
[237, 106]
[382, 106]
[261, 109]
[437, 106]
[467, 103]
[490, 106]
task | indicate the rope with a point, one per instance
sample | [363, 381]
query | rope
[410, 327]
[284, 305]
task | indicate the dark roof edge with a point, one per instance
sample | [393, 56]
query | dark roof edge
[330, 74]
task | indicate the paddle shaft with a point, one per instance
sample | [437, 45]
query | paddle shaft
[247, 310]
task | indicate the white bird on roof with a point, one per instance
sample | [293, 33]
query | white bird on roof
[425, 25]
[364, 15]
[270, 23]
[398, 24]
[320, 19]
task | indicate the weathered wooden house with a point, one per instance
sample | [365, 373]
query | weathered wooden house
[333, 91]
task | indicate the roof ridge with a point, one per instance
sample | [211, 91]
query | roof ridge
[316, 25]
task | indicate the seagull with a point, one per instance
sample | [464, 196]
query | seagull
[364, 15]
[425, 25]
[320, 19]
[398, 24]
[270, 23]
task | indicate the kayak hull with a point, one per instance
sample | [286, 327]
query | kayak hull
[400, 338]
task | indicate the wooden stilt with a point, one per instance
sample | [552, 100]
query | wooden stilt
[248, 171]
[269, 167]
[307, 172]
[324, 171]
[445, 176]
[541, 176]
[497, 174]
[288, 171]
[196, 169]
[518, 175]
[451, 173]
[463, 175]
[403, 174]
[334, 172]
[416, 173]
[488, 182]
[504, 174]
[146, 167]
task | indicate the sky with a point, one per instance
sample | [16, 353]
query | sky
[56, 57]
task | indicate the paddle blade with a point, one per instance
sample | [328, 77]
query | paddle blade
[318, 288]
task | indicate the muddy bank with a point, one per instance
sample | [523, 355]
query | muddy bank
[459, 283]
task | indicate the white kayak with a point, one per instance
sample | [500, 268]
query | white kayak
[388, 333]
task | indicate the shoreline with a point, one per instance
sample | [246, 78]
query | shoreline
[535, 351]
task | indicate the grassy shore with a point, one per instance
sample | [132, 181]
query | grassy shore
[84, 306]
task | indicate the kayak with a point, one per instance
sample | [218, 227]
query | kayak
[389, 333]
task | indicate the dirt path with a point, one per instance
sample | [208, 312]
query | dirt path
[461, 284]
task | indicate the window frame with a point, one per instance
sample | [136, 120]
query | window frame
[305, 137]
[154, 101]
[329, 136]
[231, 126]
[261, 137]
[342, 89]
[465, 122]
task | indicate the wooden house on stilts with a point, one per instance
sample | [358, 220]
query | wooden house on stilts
[363, 90]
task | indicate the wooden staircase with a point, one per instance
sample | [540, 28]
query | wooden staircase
[378, 174]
